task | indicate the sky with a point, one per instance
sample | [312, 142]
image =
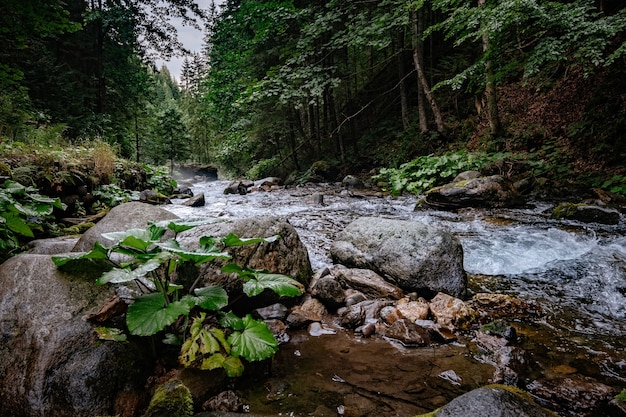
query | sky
[190, 37]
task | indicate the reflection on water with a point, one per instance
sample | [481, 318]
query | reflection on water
[575, 272]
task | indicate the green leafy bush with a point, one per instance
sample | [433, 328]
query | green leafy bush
[616, 184]
[429, 171]
[216, 337]
[111, 195]
[159, 179]
[22, 212]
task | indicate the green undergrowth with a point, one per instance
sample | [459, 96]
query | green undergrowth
[197, 319]
[425, 172]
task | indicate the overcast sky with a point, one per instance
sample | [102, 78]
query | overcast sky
[190, 37]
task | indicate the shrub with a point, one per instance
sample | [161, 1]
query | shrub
[216, 338]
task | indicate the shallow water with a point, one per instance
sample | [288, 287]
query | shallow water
[575, 272]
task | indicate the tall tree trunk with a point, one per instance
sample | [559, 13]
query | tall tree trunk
[101, 87]
[137, 147]
[404, 107]
[418, 60]
[490, 90]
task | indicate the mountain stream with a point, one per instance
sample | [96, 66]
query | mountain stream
[574, 272]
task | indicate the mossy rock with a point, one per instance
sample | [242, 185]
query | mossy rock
[494, 401]
[172, 399]
[586, 213]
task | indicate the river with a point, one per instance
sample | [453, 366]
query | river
[575, 273]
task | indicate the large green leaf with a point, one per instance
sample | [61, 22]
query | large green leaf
[132, 237]
[231, 240]
[209, 298]
[96, 259]
[233, 366]
[34, 210]
[233, 321]
[121, 275]
[17, 224]
[259, 280]
[187, 255]
[256, 342]
[149, 314]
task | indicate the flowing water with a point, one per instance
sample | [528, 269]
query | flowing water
[576, 274]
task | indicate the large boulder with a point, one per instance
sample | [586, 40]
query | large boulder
[586, 213]
[492, 191]
[493, 401]
[123, 217]
[410, 255]
[51, 360]
[286, 255]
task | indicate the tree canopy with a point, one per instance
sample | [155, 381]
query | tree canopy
[281, 84]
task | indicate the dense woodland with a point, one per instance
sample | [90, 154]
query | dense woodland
[281, 85]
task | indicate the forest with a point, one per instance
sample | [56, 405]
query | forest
[281, 87]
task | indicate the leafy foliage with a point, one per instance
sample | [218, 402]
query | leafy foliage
[22, 212]
[425, 172]
[212, 341]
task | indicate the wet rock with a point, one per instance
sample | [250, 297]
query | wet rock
[268, 183]
[330, 292]
[413, 310]
[500, 328]
[352, 183]
[224, 401]
[586, 213]
[183, 191]
[493, 401]
[354, 297]
[502, 305]
[279, 330]
[286, 255]
[452, 312]
[316, 329]
[368, 330]
[390, 314]
[171, 399]
[411, 255]
[352, 317]
[195, 201]
[309, 311]
[52, 246]
[407, 333]
[153, 197]
[490, 343]
[466, 176]
[51, 361]
[366, 281]
[120, 218]
[274, 311]
[202, 384]
[492, 191]
[236, 187]
[356, 315]
[577, 394]
[437, 333]
[451, 377]
[512, 364]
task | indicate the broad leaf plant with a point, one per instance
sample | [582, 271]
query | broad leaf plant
[215, 337]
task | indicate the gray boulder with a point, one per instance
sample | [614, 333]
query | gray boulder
[493, 401]
[51, 361]
[492, 191]
[195, 201]
[365, 281]
[286, 255]
[586, 213]
[410, 255]
[123, 217]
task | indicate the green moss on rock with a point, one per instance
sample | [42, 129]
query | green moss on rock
[171, 399]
